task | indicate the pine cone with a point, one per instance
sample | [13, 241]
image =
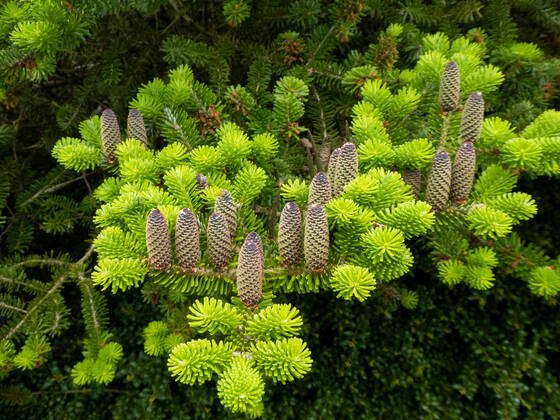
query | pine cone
[316, 239]
[462, 176]
[158, 241]
[110, 134]
[135, 128]
[413, 177]
[473, 114]
[201, 182]
[226, 206]
[439, 181]
[219, 241]
[256, 239]
[187, 240]
[331, 169]
[450, 87]
[319, 190]
[289, 235]
[250, 267]
[346, 166]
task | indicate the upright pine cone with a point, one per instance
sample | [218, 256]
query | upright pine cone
[319, 190]
[439, 181]
[462, 176]
[346, 166]
[331, 169]
[187, 240]
[201, 182]
[219, 241]
[135, 128]
[473, 114]
[110, 134]
[450, 87]
[250, 268]
[228, 207]
[289, 235]
[413, 177]
[158, 241]
[316, 239]
[254, 237]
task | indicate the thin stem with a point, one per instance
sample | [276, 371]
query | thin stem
[51, 189]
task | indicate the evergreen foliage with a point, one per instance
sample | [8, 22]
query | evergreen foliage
[313, 117]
